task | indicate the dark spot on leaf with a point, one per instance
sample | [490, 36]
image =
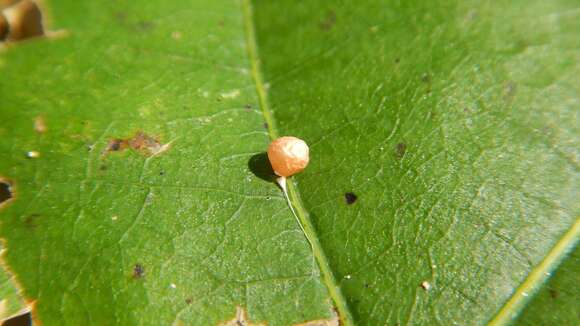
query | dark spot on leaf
[138, 271]
[260, 166]
[145, 26]
[328, 22]
[117, 145]
[141, 142]
[20, 320]
[5, 190]
[161, 172]
[510, 90]
[426, 78]
[350, 198]
[248, 107]
[367, 286]
[265, 125]
[121, 17]
[103, 167]
[221, 23]
[188, 300]
[554, 294]
[30, 220]
[400, 150]
[397, 60]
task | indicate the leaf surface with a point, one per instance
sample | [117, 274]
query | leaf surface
[444, 159]
[455, 123]
[141, 208]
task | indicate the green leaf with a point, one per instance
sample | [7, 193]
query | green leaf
[557, 302]
[454, 123]
[101, 236]
[451, 126]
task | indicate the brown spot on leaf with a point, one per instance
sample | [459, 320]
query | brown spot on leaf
[554, 294]
[328, 22]
[117, 145]
[510, 90]
[241, 319]
[145, 25]
[40, 125]
[400, 150]
[138, 271]
[141, 142]
[30, 221]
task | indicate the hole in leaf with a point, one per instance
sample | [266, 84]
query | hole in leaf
[5, 190]
[21, 320]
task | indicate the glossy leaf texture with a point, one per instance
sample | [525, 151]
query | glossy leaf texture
[141, 207]
[444, 159]
[455, 123]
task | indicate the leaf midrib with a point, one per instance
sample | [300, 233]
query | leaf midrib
[511, 308]
[310, 233]
[537, 276]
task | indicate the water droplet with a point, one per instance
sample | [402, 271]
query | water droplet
[33, 154]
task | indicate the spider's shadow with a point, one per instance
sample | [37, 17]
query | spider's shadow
[261, 167]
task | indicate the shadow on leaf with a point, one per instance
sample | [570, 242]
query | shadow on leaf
[261, 168]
